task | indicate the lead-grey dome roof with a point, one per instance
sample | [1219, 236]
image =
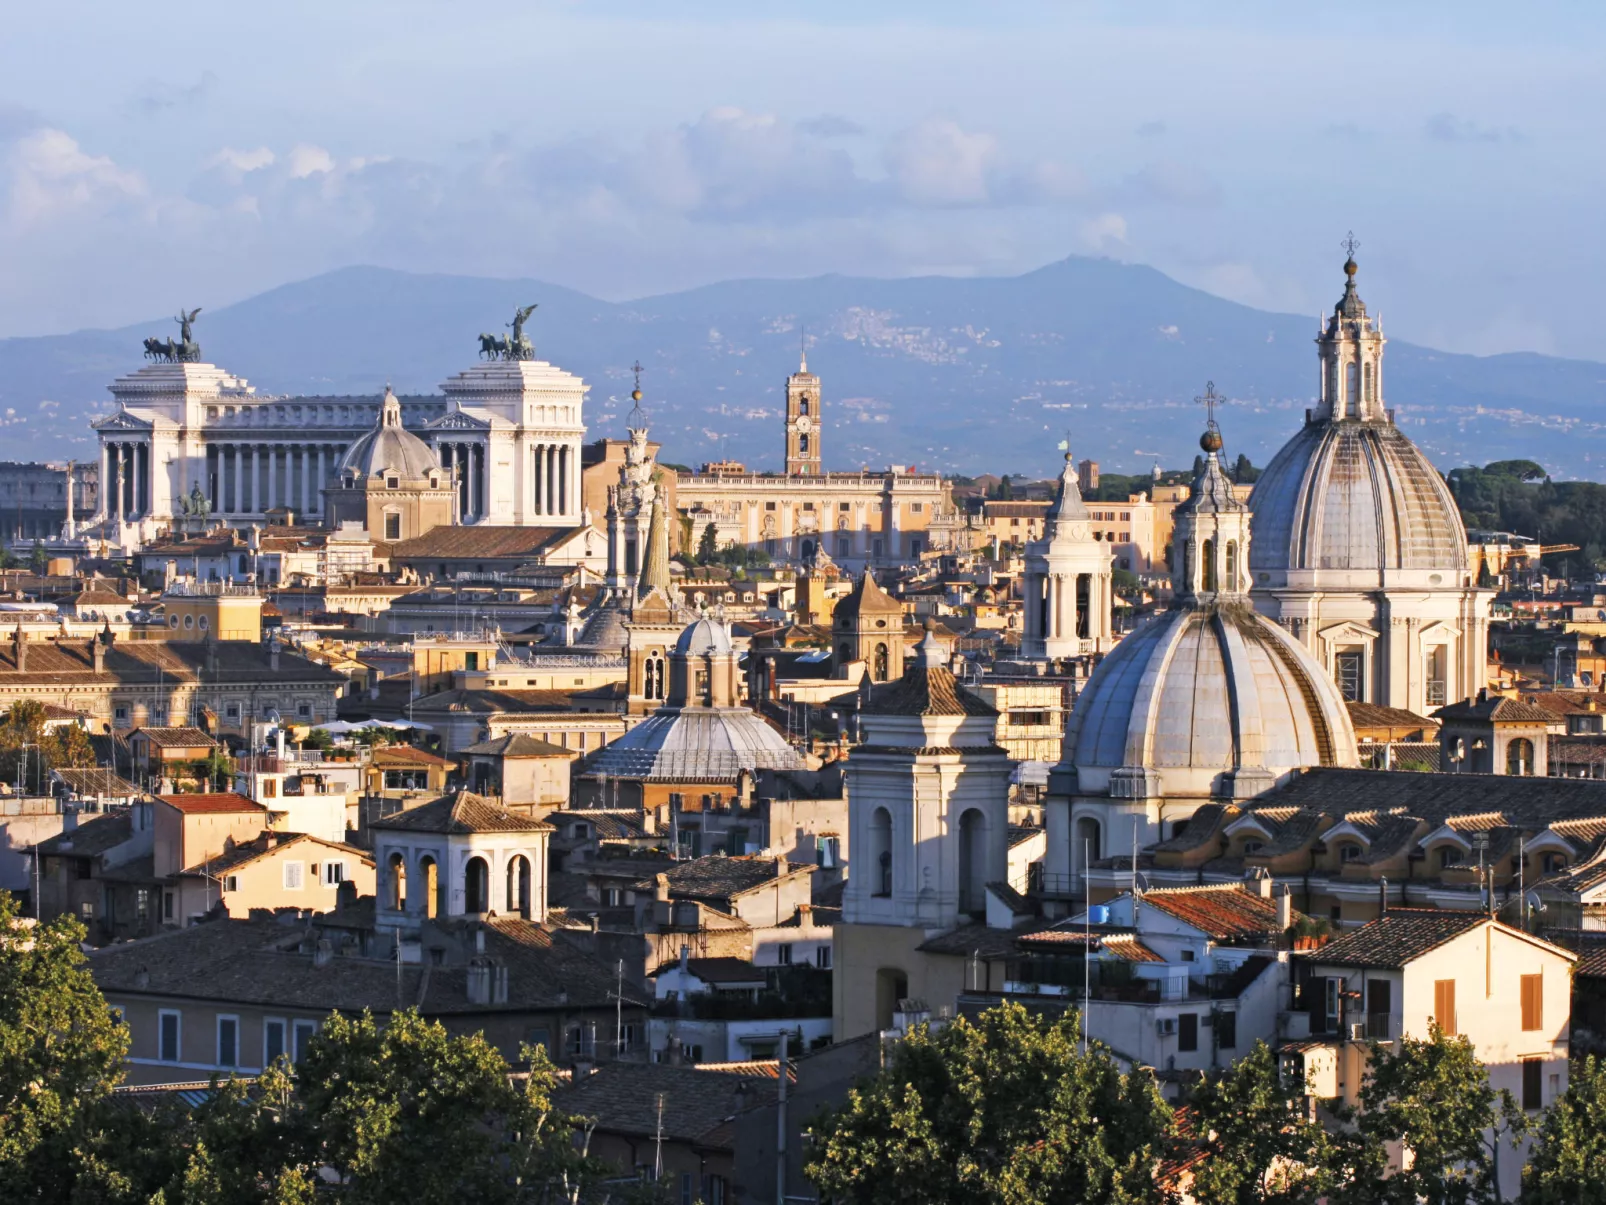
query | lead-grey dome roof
[1201, 691]
[1354, 495]
[704, 637]
[697, 744]
[390, 447]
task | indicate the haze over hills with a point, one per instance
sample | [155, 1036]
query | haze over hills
[967, 375]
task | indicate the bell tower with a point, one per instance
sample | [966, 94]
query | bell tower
[802, 421]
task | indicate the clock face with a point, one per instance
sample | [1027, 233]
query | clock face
[805, 424]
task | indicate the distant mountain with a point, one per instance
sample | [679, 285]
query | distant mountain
[967, 375]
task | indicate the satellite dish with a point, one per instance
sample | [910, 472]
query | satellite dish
[1535, 904]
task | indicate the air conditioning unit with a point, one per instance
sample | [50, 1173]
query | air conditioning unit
[1166, 1026]
[1357, 1031]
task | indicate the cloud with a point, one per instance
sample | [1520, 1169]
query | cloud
[830, 125]
[1166, 182]
[48, 177]
[155, 97]
[1447, 127]
[939, 163]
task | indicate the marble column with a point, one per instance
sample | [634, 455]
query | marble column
[256, 478]
[563, 480]
[538, 481]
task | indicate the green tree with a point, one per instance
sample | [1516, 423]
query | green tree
[1004, 1111]
[61, 1053]
[26, 747]
[38, 558]
[1568, 1165]
[1431, 1098]
[1260, 1147]
[708, 545]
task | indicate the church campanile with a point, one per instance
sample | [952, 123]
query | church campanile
[802, 421]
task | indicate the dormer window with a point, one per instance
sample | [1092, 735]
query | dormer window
[392, 482]
[1449, 856]
[1253, 847]
[1349, 853]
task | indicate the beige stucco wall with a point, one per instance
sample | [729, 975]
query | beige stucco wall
[861, 1003]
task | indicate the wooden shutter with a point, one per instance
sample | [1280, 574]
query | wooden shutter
[1444, 1004]
[1533, 1002]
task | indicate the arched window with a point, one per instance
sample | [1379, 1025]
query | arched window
[429, 886]
[1089, 846]
[881, 662]
[518, 886]
[1208, 576]
[396, 883]
[1370, 392]
[1352, 388]
[476, 886]
[972, 861]
[1187, 565]
[803, 406]
[1520, 757]
[1229, 581]
[881, 850]
[803, 444]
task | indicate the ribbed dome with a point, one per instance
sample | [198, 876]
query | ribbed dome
[1205, 700]
[705, 637]
[390, 447]
[1357, 496]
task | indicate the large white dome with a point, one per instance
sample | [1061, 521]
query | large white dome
[1205, 701]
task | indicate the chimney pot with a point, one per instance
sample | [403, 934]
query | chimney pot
[1383, 896]
[1285, 909]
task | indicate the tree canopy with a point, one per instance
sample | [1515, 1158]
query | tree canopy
[1568, 1166]
[1005, 1110]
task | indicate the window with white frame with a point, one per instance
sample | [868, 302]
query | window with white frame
[168, 1035]
[293, 875]
[231, 882]
[228, 1041]
[822, 957]
[783, 953]
[334, 873]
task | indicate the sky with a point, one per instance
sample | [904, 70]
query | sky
[197, 154]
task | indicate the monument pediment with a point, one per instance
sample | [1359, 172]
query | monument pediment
[124, 420]
[456, 420]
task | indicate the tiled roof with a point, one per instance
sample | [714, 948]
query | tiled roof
[623, 1099]
[461, 813]
[1497, 709]
[453, 542]
[1398, 937]
[1203, 827]
[1374, 715]
[93, 837]
[1591, 961]
[244, 852]
[1223, 913]
[520, 744]
[866, 598]
[387, 757]
[63, 662]
[96, 780]
[220, 801]
[718, 877]
[176, 738]
[922, 691]
[256, 962]
[1530, 802]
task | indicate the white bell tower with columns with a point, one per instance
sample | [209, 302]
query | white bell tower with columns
[1066, 587]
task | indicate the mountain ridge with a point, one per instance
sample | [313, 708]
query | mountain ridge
[964, 374]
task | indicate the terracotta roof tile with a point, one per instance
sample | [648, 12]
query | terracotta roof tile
[220, 801]
[463, 812]
[1398, 937]
[1223, 913]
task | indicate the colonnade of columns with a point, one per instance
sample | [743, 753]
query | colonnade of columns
[555, 481]
[466, 463]
[125, 475]
[252, 478]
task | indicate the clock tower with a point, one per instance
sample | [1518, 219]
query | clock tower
[802, 421]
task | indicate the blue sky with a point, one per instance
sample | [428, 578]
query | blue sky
[201, 153]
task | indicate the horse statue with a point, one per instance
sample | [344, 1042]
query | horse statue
[156, 349]
[492, 346]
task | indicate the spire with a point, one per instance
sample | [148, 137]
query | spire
[1351, 354]
[655, 572]
[1067, 504]
[928, 653]
[637, 419]
[1350, 305]
[1210, 557]
[802, 350]
[390, 410]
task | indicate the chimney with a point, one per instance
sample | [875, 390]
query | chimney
[661, 888]
[19, 649]
[1383, 897]
[781, 868]
[273, 653]
[97, 649]
[685, 955]
[323, 952]
[1285, 909]
[346, 893]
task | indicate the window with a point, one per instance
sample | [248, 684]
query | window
[769, 506]
[334, 873]
[304, 710]
[142, 904]
[303, 1034]
[1187, 955]
[1379, 1009]
[827, 852]
[392, 527]
[686, 1177]
[822, 957]
[86, 911]
[1349, 853]
[292, 875]
[172, 622]
[272, 1039]
[1449, 856]
[120, 714]
[1187, 1031]
[231, 711]
[1437, 691]
[1227, 1030]
[231, 882]
[1444, 1004]
[1254, 847]
[1533, 1002]
[783, 954]
[1520, 757]
[1533, 1098]
[1349, 667]
[228, 1041]
[270, 788]
[167, 905]
[611, 897]
[168, 1036]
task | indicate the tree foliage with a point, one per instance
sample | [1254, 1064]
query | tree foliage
[1517, 496]
[29, 749]
[1260, 1148]
[1003, 1111]
[1433, 1099]
[1568, 1166]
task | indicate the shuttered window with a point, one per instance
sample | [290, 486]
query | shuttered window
[1444, 1004]
[1533, 1002]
